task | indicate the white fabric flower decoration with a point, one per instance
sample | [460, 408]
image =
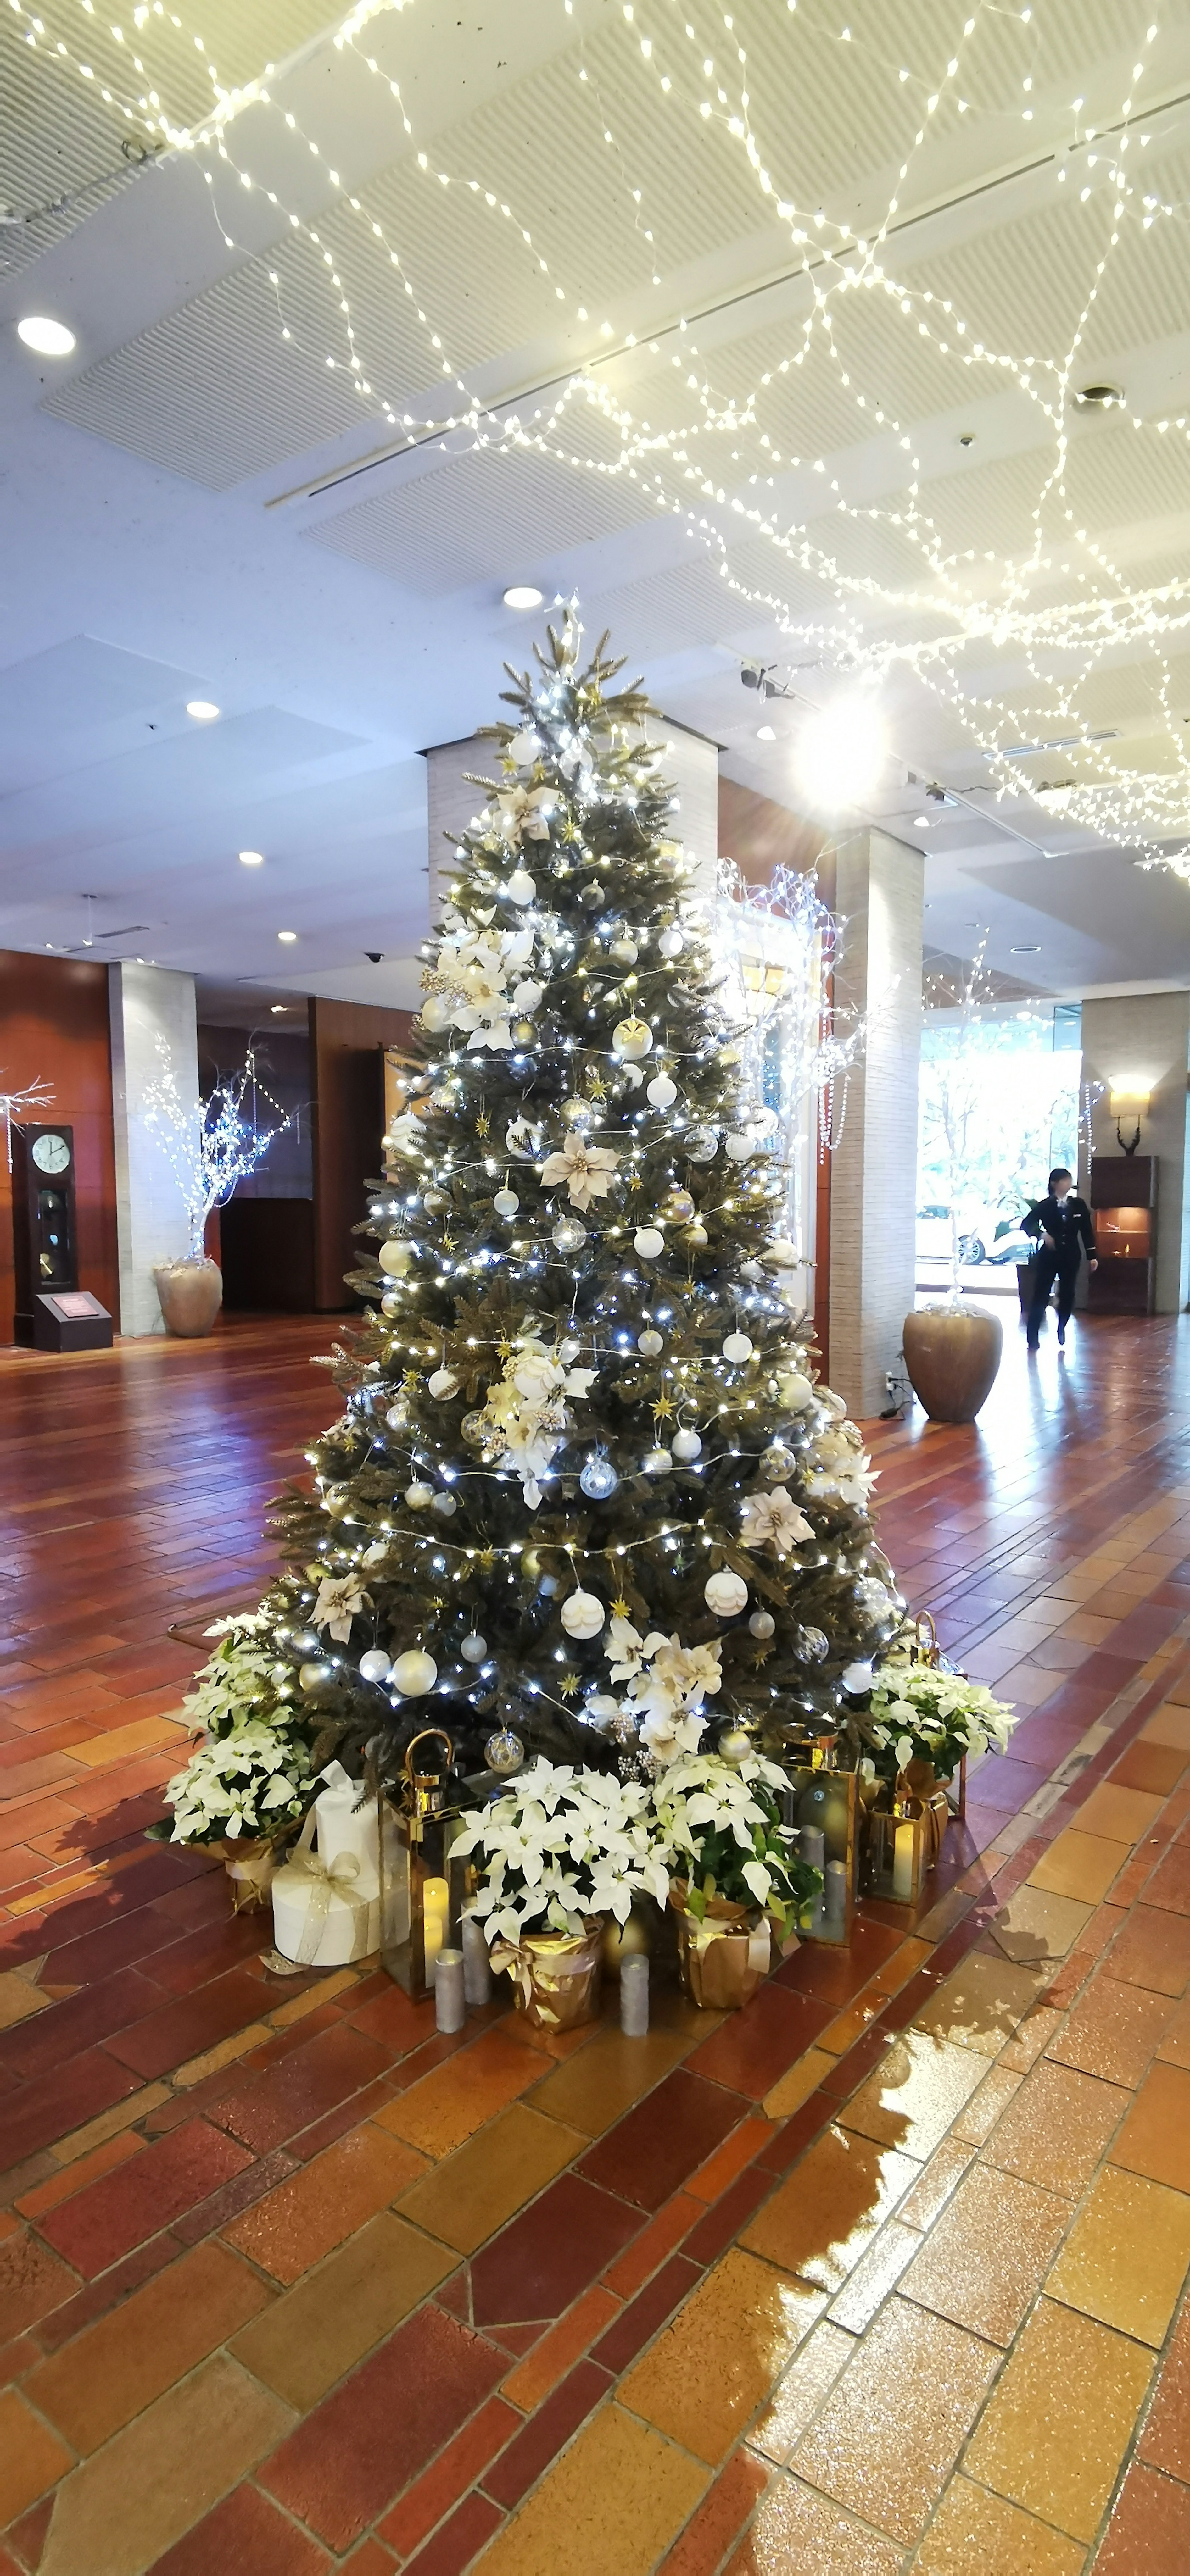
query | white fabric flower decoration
[586, 1169]
[773, 1519]
[525, 813]
[340, 1596]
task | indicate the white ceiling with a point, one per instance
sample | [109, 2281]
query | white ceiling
[175, 519]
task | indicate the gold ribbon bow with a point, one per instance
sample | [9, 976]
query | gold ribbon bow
[327, 1877]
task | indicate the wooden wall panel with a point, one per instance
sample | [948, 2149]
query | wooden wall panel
[54, 1022]
[347, 1040]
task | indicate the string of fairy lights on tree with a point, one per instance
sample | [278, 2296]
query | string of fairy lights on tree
[706, 79]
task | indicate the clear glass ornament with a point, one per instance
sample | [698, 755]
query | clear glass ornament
[810, 1645]
[599, 1478]
[701, 1144]
[474, 1429]
[504, 1753]
[569, 1235]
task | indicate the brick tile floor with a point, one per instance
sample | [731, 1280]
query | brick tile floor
[884, 2276]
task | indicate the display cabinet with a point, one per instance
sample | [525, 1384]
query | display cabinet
[1123, 1198]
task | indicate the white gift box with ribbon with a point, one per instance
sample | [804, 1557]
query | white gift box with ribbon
[326, 1903]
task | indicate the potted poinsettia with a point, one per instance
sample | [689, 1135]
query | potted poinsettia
[735, 1882]
[250, 1780]
[557, 1854]
[920, 1714]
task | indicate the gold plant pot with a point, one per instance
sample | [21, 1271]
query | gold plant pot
[555, 1975]
[190, 1294]
[725, 1958]
[250, 1866]
[952, 1360]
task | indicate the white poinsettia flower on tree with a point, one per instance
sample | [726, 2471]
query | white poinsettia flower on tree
[772, 1519]
[524, 813]
[625, 1645]
[407, 1136]
[526, 1410]
[586, 1169]
[340, 1597]
[668, 1732]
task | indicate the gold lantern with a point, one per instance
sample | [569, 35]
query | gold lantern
[900, 1848]
[826, 1799]
[422, 1890]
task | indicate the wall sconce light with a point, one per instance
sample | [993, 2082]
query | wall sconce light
[1129, 1098]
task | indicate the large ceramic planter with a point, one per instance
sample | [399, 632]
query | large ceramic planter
[190, 1295]
[952, 1360]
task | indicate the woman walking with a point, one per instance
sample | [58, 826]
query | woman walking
[1063, 1224]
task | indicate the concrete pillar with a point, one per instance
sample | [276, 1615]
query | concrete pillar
[453, 803]
[1144, 1039]
[148, 1004]
[873, 1200]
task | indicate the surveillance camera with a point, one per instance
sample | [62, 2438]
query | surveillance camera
[752, 674]
[375, 956]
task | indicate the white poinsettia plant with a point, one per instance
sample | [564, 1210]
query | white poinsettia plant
[248, 1785]
[920, 1713]
[667, 1686]
[560, 1846]
[719, 1831]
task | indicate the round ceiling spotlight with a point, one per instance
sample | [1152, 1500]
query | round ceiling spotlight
[841, 752]
[287, 937]
[766, 733]
[251, 858]
[521, 594]
[50, 339]
[202, 709]
[1099, 397]
[922, 822]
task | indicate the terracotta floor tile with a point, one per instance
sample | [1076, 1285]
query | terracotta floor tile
[106, 2220]
[314, 2209]
[137, 2496]
[266, 2109]
[888, 2437]
[1056, 2130]
[595, 2088]
[32, 2281]
[805, 2387]
[721, 2515]
[649, 2249]
[608, 2507]
[364, 2444]
[1122, 1815]
[936, 2182]
[1175, 2047]
[753, 2048]
[979, 2116]
[1127, 2255]
[126, 2359]
[472, 2193]
[986, 2256]
[796, 2087]
[1155, 2138]
[1165, 2441]
[59, 2102]
[542, 2368]
[1112, 2031]
[1169, 1885]
[655, 2148]
[795, 2529]
[876, 2273]
[1171, 1725]
[1149, 1765]
[463, 2460]
[244, 2532]
[308, 2338]
[919, 2088]
[981, 2005]
[1061, 2418]
[1152, 1949]
[455, 2100]
[31, 2456]
[822, 2219]
[1079, 1864]
[536, 2444]
[975, 2533]
[70, 2178]
[1035, 1927]
[720, 2357]
[1149, 2528]
[550, 2253]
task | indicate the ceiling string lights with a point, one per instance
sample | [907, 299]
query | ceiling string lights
[954, 606]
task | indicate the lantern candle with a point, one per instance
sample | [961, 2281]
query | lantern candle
[436, 1900]
[902, 1874]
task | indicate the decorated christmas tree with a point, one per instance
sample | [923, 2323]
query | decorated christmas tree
[585, 1498]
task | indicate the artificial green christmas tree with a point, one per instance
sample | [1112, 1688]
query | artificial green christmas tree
[585, 1493]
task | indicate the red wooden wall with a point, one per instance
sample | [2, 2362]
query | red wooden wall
[54, 1023]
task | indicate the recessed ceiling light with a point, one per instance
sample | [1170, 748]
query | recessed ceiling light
[251, 858]
[288, 936]
[766, 733]
[50, 339]
[521, 594]
[278, 1006]
[922, 822]
[1099, 397]
[201, 709]
[1030, 948]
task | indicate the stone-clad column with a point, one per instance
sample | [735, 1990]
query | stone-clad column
[148, 1004]
[873, 1199]
[1143, 1039]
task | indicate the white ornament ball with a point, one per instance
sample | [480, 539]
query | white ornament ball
[390, 1305]
[762, 1623]
[443, 1382]
[524, 747]
[396, 1258]
[315, 1677]
[649, 1242]
[686, 1444]
[671, 943]
[631, 1039]
[526, 996]
[435, 1013]
[657, 1462]
[474, 1648]
[631, 1076]
[796, 1391]
[506, 1203]
[737, 1348]
[725, 1593]
[782, 1255]
[582, 1614]
[650, 1342]
[739, 1148]
[397, 1416]
[374, 1666]
[446, 1505]
[419, 1496]
[414, 1673]
[521, 887]
[662, 1092]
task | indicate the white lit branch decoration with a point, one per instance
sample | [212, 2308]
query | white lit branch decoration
[18, 1104]
[211, 1145]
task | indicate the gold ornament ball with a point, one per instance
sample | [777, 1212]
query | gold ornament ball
[630, 1940]
[414, 1673]
[523, 1032]
[736, 1744]
[631, 1038]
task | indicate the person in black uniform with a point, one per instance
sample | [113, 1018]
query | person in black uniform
[1062, 1224]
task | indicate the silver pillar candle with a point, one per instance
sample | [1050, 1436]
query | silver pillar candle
[634, 1996]
[477, 1971]
[450, 2006]
[835, 1893]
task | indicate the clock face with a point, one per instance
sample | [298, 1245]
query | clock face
[51, 1153]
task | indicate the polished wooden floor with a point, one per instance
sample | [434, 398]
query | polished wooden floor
[885, 2274]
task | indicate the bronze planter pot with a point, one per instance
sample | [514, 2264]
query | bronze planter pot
[952, 1360]
[190, 1295]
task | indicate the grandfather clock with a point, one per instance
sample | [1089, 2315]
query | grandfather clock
[50, 1308]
